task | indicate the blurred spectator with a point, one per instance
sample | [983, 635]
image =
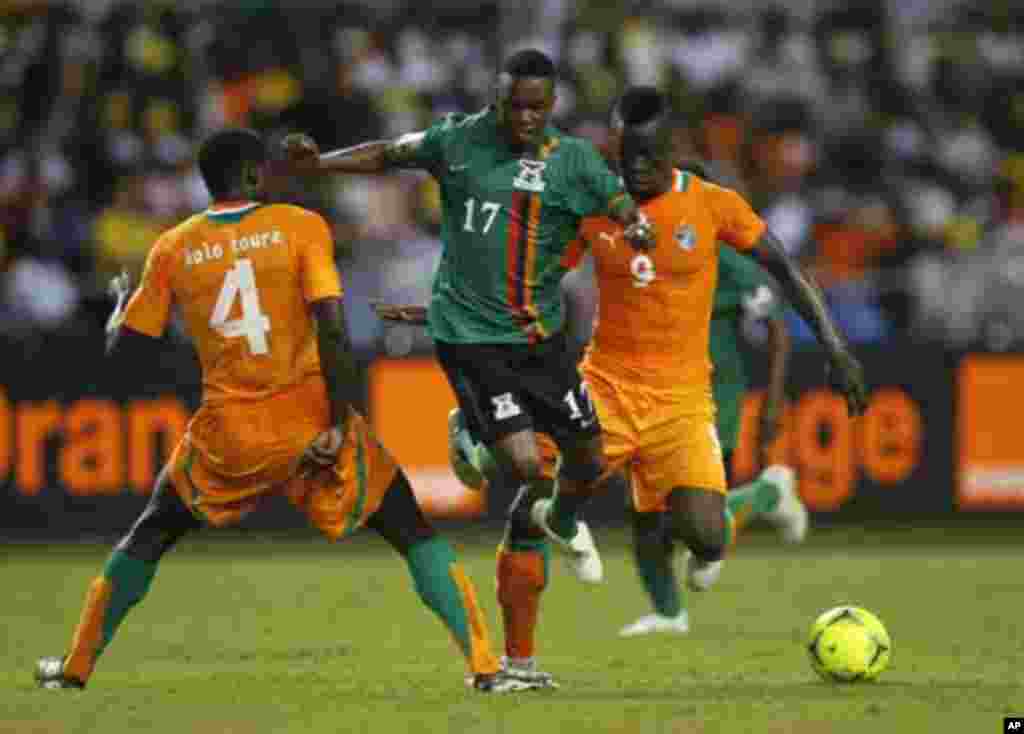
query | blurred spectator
[880, 140]
[124, 231]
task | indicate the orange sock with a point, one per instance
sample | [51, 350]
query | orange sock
[88, 637]
[522, 576]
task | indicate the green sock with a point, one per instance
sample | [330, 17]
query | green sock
[654, 566]
[755, 498]
[482, 459]
[730, 527]
[564, 510]
[477, 454]
[130, 579]
[430, 563]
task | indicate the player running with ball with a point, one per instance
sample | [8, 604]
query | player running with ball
[262, 299]
[648, 367]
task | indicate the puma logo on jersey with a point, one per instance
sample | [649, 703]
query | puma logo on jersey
[610, 237]
[530, 176]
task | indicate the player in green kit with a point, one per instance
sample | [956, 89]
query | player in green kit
[513, 191]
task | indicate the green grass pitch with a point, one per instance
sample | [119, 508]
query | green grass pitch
[272, 634]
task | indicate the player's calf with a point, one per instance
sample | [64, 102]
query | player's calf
[699, 518]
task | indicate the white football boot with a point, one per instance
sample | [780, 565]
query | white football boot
[790, 515]
[651, 624]
[701, 575]
[580, 550]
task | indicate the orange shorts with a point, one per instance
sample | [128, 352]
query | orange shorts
[236, 454]
[662, 439]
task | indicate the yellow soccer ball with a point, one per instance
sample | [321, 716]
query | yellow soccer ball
[849, 644]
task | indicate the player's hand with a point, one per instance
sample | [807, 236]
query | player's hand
[403, 314]
[322, 453]
[641, 234]
[120, 286]
[301, 153]
[847, 376]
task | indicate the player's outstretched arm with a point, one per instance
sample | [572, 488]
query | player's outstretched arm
[303, 157]
[806, 297]
[121, 338]
[416, 315]
[775, 396]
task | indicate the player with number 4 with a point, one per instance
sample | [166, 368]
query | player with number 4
[262, 299]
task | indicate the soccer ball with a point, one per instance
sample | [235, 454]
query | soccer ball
[848, 644]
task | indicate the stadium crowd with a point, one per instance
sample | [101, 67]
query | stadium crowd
[888, 154]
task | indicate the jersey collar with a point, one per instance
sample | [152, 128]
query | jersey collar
[680, 180]
[227, 211]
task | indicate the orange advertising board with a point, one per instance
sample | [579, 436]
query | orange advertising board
[410, 400]
[991, 401]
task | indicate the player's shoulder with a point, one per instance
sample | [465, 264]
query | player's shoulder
[173, 236]
[463, 122]
[571, 146]
[294, 215]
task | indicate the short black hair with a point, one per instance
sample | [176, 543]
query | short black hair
[224, 154]
[640, 106]
[530, 63]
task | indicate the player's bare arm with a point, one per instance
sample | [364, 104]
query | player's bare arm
[406, 314]
[121, 338]
[778, 357]
[303, 155]
[806, 297]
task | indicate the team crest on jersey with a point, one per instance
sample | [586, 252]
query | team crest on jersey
[531, 176]
[686, 237]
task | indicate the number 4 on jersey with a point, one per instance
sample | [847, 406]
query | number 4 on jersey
[253, 324]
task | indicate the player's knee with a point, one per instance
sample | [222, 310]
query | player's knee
[584, 469]
[145, 542]
[520, 524]
[708, 541]
[160, 526]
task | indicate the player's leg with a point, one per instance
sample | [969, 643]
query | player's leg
[125, 579]
[523, 555]
[562, 408]
[365, 487]
[772, 495]
[438, 578]
[701, 520]
[653, 556]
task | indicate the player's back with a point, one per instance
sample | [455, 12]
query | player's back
[239, 275]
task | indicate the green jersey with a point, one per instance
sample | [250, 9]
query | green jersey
[508, 221]
[743, 290]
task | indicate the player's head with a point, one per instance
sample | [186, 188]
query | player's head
[643, 123]
[233, 164]
[525, 97]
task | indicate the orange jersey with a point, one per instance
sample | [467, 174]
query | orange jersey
[243, 277]
[654, 314]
